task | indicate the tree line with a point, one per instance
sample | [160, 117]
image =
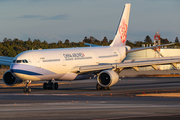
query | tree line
[11, 48]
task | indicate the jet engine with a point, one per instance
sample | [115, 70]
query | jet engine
[9, 79]
[107, 78]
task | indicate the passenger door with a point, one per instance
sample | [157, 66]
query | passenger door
[37, 59]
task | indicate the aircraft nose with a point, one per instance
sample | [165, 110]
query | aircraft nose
[16, 70]
[11, 67]
[14, 67]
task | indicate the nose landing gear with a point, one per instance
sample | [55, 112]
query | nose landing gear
[27, 89]
[50, 85]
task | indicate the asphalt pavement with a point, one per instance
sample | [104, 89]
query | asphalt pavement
[80, 100]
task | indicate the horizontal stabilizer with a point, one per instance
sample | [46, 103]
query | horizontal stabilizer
[144, 48]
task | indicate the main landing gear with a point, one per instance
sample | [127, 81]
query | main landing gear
[27, 89]
[50, 85]
[99, 87]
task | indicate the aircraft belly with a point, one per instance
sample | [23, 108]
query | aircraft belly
[68, 76]
[74, 76]
[82, 77]
[51, 76]
[27, 77]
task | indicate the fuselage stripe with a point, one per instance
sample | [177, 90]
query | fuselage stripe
[24, 72]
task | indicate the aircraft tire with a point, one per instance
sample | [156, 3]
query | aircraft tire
[109, 88]
[56, 85]
[45, 86]
[52, 86]
[98, 87]
[25, 90]
[105, 88]
[29, 90]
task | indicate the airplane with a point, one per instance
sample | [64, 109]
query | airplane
[103, 62]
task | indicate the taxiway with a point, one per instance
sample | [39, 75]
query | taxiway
[80, 100]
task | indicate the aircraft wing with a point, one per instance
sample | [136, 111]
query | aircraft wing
[6, 60]
[143, 48]
[91, 45]
[174, 60]
[128, 64]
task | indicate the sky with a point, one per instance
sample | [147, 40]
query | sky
[54, 20]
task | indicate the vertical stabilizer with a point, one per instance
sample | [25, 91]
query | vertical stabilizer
[121, 34]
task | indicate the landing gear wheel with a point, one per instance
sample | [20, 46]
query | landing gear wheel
[45, 86]
[105, 88]
[29, 90]
[25, 90]
[109, 88]
[56, 85]
[52, 86]
[98, 87]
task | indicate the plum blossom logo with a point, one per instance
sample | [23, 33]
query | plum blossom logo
[83, 54]
[123, 31]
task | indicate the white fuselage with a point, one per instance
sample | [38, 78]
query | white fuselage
[57, 63]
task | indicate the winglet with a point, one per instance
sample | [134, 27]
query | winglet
[121, 34]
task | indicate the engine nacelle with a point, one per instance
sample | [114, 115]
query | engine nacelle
[9, 79]
[107, 78]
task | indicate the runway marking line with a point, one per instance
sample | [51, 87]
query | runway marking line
[26, 94]
[31, 85]
[145, 116]
[159, 95]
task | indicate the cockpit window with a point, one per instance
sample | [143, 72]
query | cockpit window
[20, 61]
[25, 61]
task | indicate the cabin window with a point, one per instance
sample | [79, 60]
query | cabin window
[20, 61]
